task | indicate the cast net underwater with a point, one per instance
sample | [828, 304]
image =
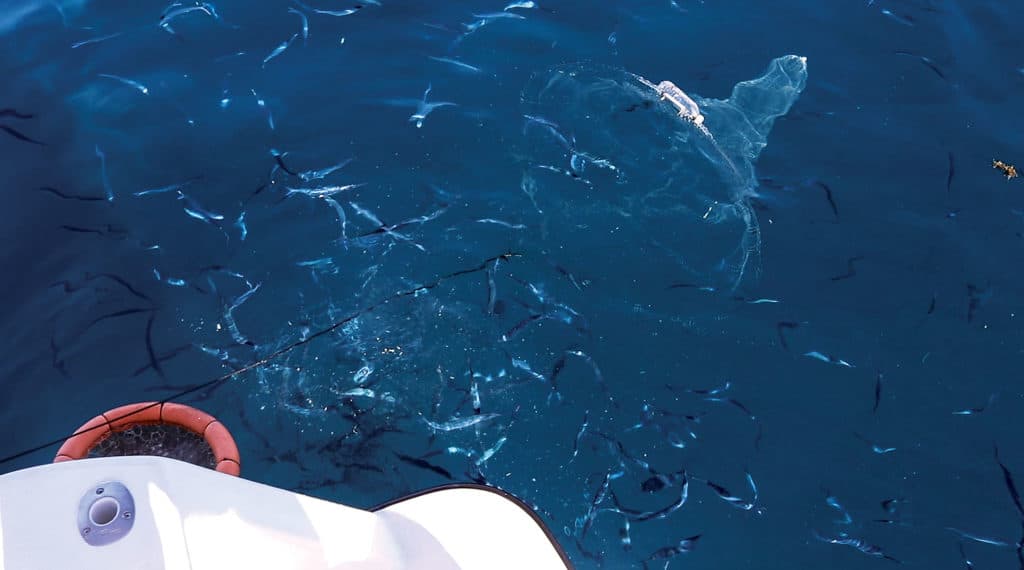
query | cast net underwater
[459, 379]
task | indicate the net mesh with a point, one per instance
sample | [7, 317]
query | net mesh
[162, 440]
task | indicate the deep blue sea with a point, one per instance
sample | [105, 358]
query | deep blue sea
[471, 241]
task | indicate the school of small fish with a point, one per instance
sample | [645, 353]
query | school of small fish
[400, 330]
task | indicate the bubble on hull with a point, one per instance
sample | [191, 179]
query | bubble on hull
[684, 164]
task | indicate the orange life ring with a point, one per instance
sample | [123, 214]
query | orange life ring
[225, 452]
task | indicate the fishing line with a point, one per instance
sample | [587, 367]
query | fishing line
[277, 353]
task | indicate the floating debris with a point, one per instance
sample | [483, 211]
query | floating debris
[1008, 170]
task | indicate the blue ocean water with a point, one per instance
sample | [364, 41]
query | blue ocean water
[556, 256]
